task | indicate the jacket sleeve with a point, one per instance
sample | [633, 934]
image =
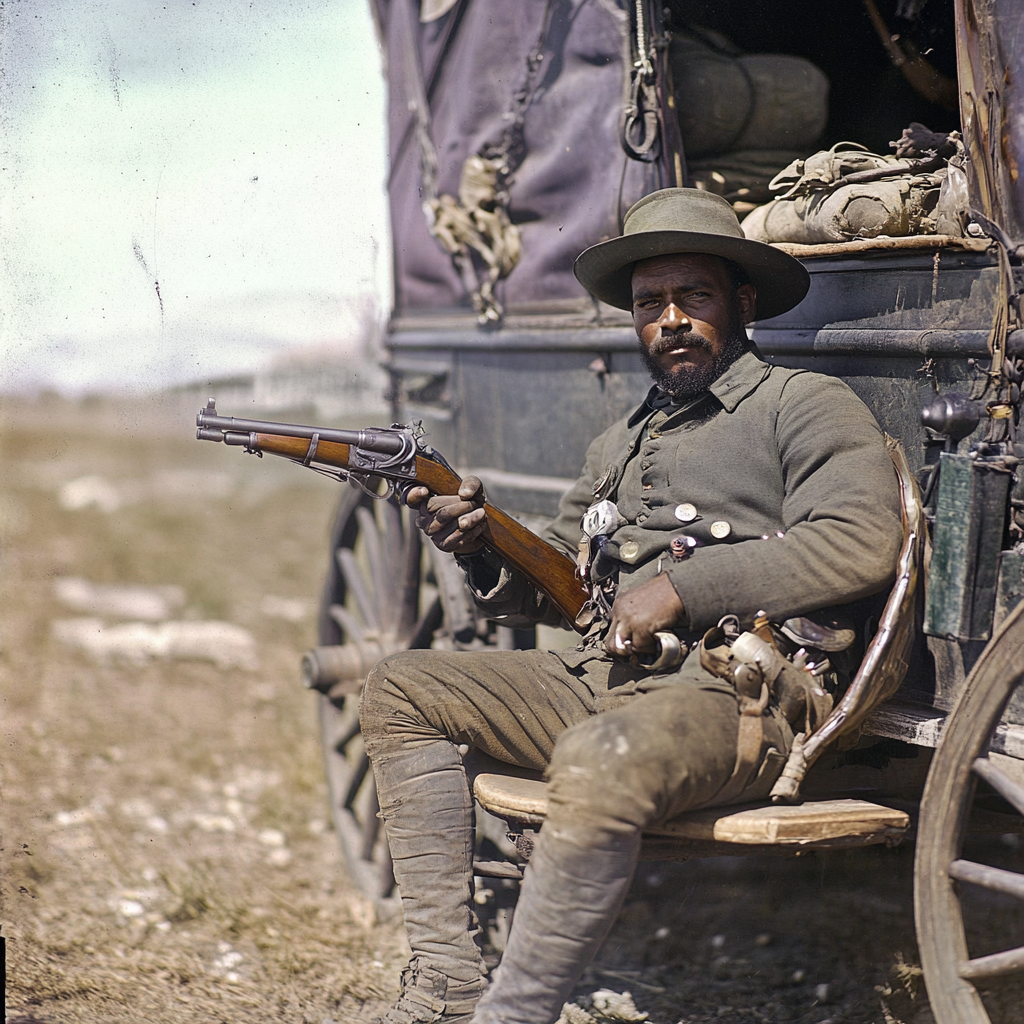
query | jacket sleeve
[841, 511]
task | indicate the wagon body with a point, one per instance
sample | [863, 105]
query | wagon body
[515, 390]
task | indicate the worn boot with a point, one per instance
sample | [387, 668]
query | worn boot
[572, 893]
[429, 996]
[428, 817]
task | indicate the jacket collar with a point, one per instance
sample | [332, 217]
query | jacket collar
[740, 379]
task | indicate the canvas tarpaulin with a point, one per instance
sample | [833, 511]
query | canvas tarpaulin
[574, 182]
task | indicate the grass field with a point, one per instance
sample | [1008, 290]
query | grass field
[167, 852]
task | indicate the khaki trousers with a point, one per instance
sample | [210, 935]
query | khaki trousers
[621, 748]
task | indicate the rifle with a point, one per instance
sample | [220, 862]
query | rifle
[399, 456]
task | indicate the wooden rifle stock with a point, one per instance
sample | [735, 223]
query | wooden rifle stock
[551, 572]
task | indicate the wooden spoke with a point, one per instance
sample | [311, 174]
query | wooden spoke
[996, 879]
[395, 541]
[1012, 792]
[371, 827]
[357, 585]
[379, 570]
[993, 966]
[411, 572]
[423, 631]
[384, 881]
[349, 623]
[362, 767]
[346, 737]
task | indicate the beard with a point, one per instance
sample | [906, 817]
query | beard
[680, 383]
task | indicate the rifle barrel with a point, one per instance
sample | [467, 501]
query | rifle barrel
[213, 428]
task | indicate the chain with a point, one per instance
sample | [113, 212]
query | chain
[643, 57]
[509, 153]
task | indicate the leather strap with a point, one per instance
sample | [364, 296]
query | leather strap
[749, 741]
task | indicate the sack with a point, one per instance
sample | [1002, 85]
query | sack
[813, 210]
[790, 102]
[727, 102]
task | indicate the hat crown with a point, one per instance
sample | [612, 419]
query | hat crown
[688, 220]
[682, 209]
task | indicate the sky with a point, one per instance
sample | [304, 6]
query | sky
[188, 188]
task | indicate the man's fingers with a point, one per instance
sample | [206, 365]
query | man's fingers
[625, 638]
[472, 521]
[448, 514]
[461, 542]
[643, 640]
[453, 522]
[416, 496]
[617, 643]
[471, 488]
[448, 502]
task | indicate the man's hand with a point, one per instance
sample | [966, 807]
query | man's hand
[456, 523]
[639, 613]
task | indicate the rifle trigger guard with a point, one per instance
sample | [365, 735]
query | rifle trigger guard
[311, 454]
[362, 481]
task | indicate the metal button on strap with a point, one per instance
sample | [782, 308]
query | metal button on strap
[629, 551]
[685, 512]
[720, 529]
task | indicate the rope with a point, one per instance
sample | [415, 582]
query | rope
[644, 60]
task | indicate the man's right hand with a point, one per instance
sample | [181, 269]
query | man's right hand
[456, 523]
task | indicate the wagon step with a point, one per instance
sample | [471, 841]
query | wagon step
[815, 823]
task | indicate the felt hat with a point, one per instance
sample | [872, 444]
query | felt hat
[684, 220]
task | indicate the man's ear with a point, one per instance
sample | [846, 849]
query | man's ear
[747, 294]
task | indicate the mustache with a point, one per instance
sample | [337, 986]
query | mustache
[668, 341]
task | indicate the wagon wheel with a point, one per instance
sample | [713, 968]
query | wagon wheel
[962, 758]
[377, 600]
[371, 605]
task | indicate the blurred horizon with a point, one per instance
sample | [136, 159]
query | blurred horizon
[189, 192]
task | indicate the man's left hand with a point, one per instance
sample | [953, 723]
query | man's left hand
[639, 613]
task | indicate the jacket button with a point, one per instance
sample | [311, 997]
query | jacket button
[685, 513]
[720, 530]
[629, 551]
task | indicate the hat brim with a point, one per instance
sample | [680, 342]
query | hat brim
[606, 269]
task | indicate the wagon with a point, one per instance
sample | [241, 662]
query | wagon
[525, 130]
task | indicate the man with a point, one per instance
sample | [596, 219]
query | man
[777, 491]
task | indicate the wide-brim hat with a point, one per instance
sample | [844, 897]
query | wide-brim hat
[683, 220]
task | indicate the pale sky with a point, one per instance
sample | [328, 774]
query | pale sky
[231, 150]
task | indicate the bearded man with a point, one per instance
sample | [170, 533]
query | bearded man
[735, 488]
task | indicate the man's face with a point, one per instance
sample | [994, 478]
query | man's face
[689, 317]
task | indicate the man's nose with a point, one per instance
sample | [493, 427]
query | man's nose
[673, 319]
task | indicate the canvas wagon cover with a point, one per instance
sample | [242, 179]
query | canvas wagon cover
[575, 182]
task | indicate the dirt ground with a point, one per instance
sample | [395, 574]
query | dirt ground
[167, 852]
